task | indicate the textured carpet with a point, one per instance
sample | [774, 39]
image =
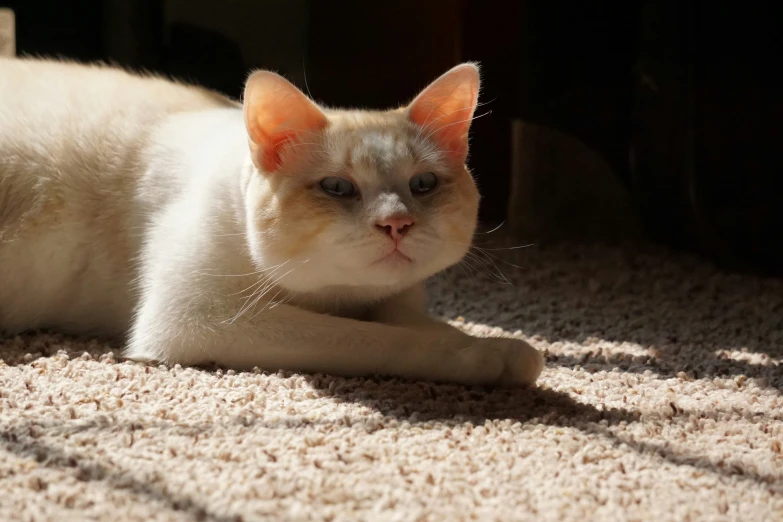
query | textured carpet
[661, 401]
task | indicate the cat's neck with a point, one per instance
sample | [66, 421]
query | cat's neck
[344, 301]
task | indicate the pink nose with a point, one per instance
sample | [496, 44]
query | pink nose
[395, 227]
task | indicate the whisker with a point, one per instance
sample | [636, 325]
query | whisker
[250, 301]
[484, 270]
[428, 123]
[469, 107]
[287, 299]
[235, 275]
[260, 281]
[264, 290]
[497, 258]
[472, 118]
[304, 73]
[493, 230]
[497, 275]
[473, 251]
[462, 267]
[267, 303]
[512, 248]
[468, 269]
[272, 300]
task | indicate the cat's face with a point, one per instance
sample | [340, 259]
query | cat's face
[360, 198]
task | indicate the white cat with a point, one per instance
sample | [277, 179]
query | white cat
[273, 233]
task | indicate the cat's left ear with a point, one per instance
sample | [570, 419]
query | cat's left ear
[277, 114]
[445, 109]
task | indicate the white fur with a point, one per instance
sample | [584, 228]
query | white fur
[127, 205]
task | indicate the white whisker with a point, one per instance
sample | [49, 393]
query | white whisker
[497, 275]
[250, 301]
[428, 123]
[493, 230]
[497, 258]
[456, 123]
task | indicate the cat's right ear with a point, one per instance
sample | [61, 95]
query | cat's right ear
[277, 114]
[444, 110]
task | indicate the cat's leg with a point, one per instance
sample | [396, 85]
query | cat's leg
[286, 337]
[409, 309]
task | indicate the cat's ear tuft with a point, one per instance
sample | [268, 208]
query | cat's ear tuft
[277, 114]
[445, 109]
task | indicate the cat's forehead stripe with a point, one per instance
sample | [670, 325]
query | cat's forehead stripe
[379, 150]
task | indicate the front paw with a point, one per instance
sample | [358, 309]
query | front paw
[505, 362]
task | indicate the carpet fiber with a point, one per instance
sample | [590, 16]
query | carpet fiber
[661, 401]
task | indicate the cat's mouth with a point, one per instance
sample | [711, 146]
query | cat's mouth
[395, 257]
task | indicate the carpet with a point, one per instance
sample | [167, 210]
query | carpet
[661, 401]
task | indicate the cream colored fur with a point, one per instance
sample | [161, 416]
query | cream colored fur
[195, 225]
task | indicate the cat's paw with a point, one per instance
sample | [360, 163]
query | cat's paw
[141, 356]
[505, 362]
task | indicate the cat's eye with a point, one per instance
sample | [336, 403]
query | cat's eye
[423, 183]
[339, 187]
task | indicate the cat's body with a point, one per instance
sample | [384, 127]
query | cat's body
[216, 232]
[75, 159]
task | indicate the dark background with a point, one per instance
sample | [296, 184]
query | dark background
[682, 99]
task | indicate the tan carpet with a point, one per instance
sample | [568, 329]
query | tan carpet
[661, 401]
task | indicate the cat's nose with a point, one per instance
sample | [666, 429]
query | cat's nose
[395, 227]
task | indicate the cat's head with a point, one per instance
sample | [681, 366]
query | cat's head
[338, 198]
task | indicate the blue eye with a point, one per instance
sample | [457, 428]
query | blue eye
[423, 183]
[339, 187]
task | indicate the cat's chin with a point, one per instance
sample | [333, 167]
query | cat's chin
[394, 259]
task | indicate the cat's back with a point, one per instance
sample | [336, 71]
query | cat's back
[37, 83]
[88, 107]
[71, 131]
[72, 141]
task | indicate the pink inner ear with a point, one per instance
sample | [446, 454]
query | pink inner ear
[276, 115]
[445, 109]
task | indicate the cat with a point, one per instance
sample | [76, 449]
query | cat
[272, 233]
